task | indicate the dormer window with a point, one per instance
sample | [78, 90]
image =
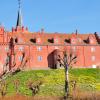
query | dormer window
[51, 40]
[16, 40]
[33, 40]
[67, 41]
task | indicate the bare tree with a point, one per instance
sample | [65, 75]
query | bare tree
[67, 60]
[3, 88]
[16, 85]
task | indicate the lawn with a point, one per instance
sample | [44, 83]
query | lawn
[53, 81]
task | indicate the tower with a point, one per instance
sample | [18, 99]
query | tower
[19, 18]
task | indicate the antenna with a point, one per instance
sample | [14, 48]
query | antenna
[19, 3]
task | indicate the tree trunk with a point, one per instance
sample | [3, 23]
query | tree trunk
[66, 83]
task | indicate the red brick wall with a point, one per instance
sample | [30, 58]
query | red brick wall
[39, 55]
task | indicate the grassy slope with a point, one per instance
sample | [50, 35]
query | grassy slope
[53, 81]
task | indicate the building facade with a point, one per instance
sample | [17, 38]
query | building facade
[21, 48]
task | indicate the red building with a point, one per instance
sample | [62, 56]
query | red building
[21, 48]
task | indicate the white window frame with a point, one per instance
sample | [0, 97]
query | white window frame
[38, 40]
[7, 48]
[21, 48]
[74, 48]
[93, 58]
[56, 47]
[93, 49]
[20, 58]
[39, 48]
[40, 58]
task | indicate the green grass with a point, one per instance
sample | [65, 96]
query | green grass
[53, 81]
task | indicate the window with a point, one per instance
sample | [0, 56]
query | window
[20, 58]
[92, 49]
[56, 47]
[73, 48]
[39, 48]
[7, 59]
[93, 58]
[21, 48]
[7, 48]
[39, 58]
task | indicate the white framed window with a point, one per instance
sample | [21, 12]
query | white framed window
[6, 48]
[74, 48]
[20, 58]
[39, 48]
[92, 49]
[56, 47]
[6, 59]
[39, 58]
[21, 48]
[93, 58]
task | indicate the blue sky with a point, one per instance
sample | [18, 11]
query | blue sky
[53, 15]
